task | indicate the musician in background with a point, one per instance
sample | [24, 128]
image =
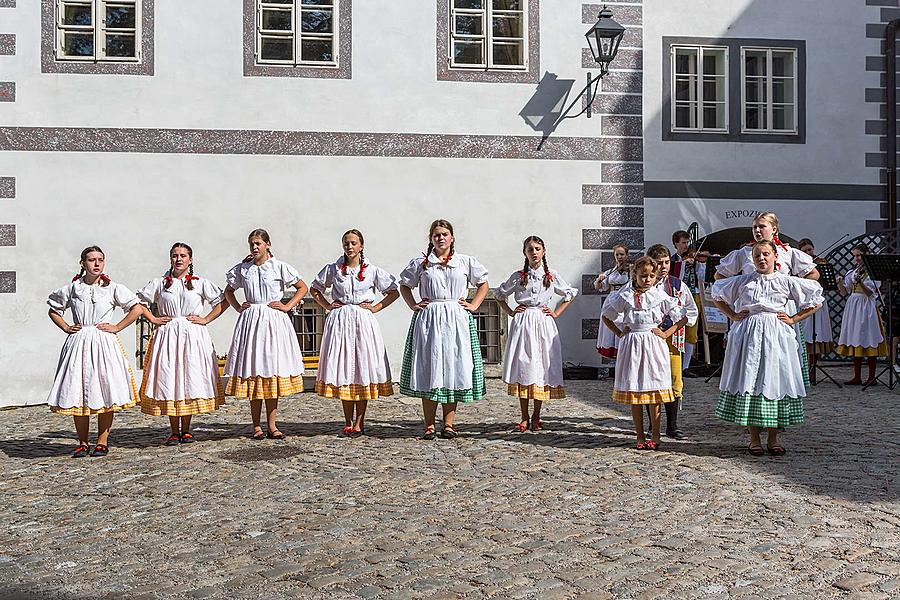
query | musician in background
[824, 341]
[684, 266]
[861, 328]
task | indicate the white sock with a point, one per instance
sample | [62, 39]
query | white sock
[688, 354]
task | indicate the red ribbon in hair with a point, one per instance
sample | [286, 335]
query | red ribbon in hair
[362, 269]
[104, 279]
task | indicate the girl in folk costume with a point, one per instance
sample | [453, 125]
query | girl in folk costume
[264, 362]
[862, 335]
[181, 370]
[353, 364]
[532, 363]
[607, 282]
[676, 288]
[442, 360]
[789, 261]
[93, 376]
[762, 378]
[643, 373]
[824, 338]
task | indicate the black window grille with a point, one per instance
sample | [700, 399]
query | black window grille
[490, 322]
[308, 319]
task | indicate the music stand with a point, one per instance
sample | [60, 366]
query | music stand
[828, 281]
[709, 277]
[885, 268]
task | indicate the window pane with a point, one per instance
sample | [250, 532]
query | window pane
[782, 90]
[468, 53]
[77, 15]
[318, 2]
[508, 54]
[278, 20]
[316, 51]
[783, 117]
[469, 25]
[317, 21]
[782, 64]
[685, 61]
[287, 2]
[120, 45]
[756, 117]
[686, 88]
[468, 4]
[714, 115]
[78, 44]
[756, 90]
[507, 27]
[280, 48]
[755, 62]
[507, 4]
[685, 115]
[120, 17]
[714, 89]
[713, 62]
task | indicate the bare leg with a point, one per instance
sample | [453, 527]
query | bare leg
[523, 408]
[104, 424]
[361, 407]
[83, 429]
[255, 412]
[536, 416]
[449, 412]
[348, 412]
[174, 425]
[429, 408]
[773, 437]
[654, 422]
[637, 415]
[755, 442]
[186, 424]
[271, 413]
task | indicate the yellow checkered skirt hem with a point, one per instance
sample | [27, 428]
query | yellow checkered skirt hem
[535, 392]
[649, 397]
[354, 392]
[180, 408]
[84, 411]
[860, 352]
[264, 388]
[822, 347]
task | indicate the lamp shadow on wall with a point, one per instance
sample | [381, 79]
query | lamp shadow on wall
[544, 110]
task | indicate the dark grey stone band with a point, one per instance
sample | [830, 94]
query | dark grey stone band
[7, 235]
[7, 44]
[739, 190]
[7, 187]
[7, 282]
[314, 143]
[7, 91]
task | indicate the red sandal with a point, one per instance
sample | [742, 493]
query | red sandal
[522, 427]
[346, 431]
[81, 451]
[173, 440]
[100, 450]
[187, 438]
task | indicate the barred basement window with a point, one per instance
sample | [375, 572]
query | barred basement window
[144, 331]
[489, 34]
[490, 322]
[297, 33]
[107, 31]
[308, 319]
[700, 89]
[769, 91]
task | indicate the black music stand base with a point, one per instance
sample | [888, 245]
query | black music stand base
[885, 268]
[828, 281]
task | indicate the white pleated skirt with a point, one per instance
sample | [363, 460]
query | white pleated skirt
[822, 319]
[93, 375]
[264, 345]
[533, 350]
[352, 352]
[181, 364]
[860, 325]
[761, 359]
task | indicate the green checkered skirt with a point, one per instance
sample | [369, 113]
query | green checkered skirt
[444, 395]
[758, 411]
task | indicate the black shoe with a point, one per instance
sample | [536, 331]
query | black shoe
[675, 434]
[429, 434]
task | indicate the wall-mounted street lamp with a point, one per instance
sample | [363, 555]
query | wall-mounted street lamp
[603, 39]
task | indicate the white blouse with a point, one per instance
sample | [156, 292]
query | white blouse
[91, 304]
[614, 280]
[348, 289]
[643, 313]
[533, 293]
[443, 282]
[177, 300]
[264, 283]
[790, 262]
[867, 282]
[759, 293]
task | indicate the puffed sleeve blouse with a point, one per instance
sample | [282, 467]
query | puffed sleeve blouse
[263, 283]
[533, 293]
[439, 281]
[346, 285]
[177, 300]
[790, 262]
[761, 293]
[91, 304]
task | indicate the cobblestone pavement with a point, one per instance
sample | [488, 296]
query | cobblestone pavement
[569, 512]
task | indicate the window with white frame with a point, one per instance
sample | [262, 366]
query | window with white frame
[769, 90]
[488, 34]
[297, 32]
[98, 30]
[699, 88]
